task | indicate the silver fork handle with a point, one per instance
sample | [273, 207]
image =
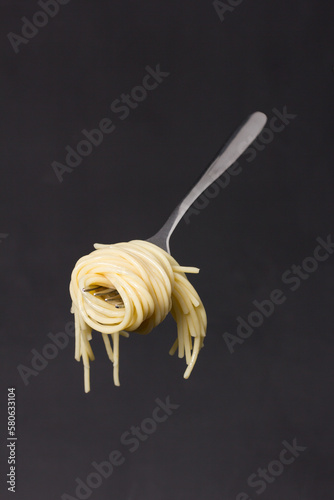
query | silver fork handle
[232, 150]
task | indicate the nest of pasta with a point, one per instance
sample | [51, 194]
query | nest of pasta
[148, 284]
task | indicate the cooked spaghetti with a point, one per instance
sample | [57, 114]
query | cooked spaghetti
[141, 284]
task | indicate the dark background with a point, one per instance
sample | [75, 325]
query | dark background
[235, 409]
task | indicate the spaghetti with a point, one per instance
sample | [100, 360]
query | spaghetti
[145, 284]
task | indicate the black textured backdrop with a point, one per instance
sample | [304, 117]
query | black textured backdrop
[231, 421]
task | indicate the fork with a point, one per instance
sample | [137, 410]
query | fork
[231, 151]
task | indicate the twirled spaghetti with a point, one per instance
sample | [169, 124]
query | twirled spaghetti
[147, 283]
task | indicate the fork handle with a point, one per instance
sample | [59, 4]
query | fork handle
[232, 150]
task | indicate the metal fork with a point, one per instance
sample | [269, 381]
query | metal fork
[232, 150]
[111, 295]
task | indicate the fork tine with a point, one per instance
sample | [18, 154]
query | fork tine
[90, 288]
[112, 299]
[104, 292]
